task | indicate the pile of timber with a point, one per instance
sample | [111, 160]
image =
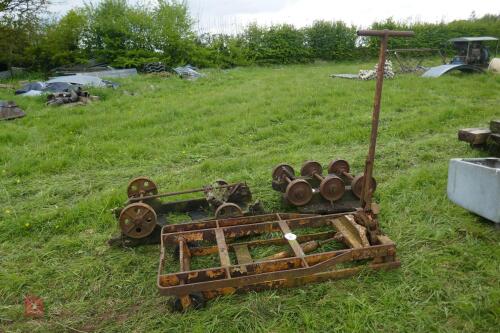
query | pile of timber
[488, 138]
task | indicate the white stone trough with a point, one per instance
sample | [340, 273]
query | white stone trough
[474, 184]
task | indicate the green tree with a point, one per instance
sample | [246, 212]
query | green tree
[17, 35]
[19, 23]
[107, 34]
[282, 44]
[331, 40]
[221, 51]
[22, 7]
[173, 32]
[126, 35]
[62, 41]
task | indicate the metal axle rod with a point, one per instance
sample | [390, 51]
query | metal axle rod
[169, 194]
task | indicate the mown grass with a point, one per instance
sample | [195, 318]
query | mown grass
[63, 169]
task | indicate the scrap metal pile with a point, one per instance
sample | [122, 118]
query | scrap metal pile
[369, 74]
[92, 67]
[63, 84]
[187, 72]
[74, 96]
[411, 60]
[9, 110]
[238, 248]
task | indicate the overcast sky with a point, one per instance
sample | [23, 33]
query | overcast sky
[229, 15]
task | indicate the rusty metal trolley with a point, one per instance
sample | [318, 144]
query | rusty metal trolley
[144, 214]
[317, 247]
[358, 237]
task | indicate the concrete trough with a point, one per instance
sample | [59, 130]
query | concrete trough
[474, 184]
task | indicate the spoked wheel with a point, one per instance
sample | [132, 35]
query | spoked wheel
[140, 187]
[332, 188]
[299, 192]
[137, 220]
[196, 301]
[357, 185]
[227, 210]
[282, 170]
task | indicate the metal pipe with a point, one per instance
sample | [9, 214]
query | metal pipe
[385, 33]
[412, 50]
[131, 200]
[366, 193]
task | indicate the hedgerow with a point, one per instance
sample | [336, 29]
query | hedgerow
[125, 35]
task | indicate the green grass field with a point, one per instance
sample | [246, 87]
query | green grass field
[63, 169]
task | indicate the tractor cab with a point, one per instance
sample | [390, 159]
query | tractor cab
[472, 50]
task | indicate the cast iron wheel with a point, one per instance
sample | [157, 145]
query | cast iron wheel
[332, 188]
[140, 187]
[357, 185]
[137, 220]
[197, 302]
[299, 192]
[339, 166]
[279, 171]
[227, 210]
[309, 168]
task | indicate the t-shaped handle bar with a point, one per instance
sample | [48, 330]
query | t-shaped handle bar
[388, 33]
[366, 192]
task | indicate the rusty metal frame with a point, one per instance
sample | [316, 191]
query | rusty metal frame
[418, 66]
[246, 274]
